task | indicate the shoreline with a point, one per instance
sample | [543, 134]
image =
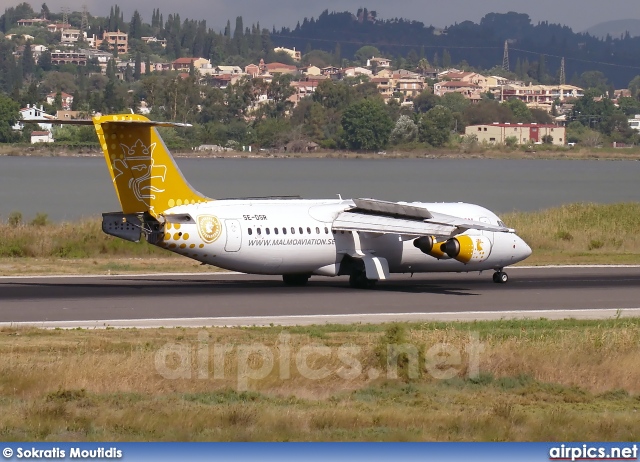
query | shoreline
[567, 154]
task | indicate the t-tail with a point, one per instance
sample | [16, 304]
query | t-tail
[144, 173]
[145, 176]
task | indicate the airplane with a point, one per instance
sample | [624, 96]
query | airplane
[365, 239]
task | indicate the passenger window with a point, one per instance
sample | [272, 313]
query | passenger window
[293, 230]
[284, 230]
[250, 231]
[259, 231]
[317, 230]
[275, 230]
[268, 231]
[326, 230]
[308, 230]
[301, 230]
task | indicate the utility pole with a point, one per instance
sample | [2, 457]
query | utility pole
[65, 16]
[563, 74]
[505, 58]
[84, 26]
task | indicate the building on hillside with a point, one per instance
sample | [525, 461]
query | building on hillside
[31, 112]
[310, 70]
[635, 122]
[378, 62]
[184, 64]
[162, 42]
[539, 94]
[68, 57]
[280, 68]
[68, 115]
[303, 89]
[451, 86]
[71, 36]
[385, 86]
[67, 100]
[295, 54]
[119, 40]
[498, 133]
[252, 70]
[356, 71]
[231, 70]
[57, 27]
[44, 136]
[32, 22]
[410, 87]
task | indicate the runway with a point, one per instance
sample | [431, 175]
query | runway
[234, 299]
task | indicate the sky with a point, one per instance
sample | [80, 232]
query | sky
[578, 14]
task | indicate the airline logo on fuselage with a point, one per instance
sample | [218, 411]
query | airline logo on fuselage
[209, 228]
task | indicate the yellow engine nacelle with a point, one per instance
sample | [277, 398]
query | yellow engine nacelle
[429, 245]
[467, 249]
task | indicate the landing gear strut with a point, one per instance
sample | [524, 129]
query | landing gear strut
[296, 280]
[500, 277]
[358, 280]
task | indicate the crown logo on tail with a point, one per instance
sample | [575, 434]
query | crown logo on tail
[146, 177]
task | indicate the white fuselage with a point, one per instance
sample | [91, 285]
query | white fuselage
[275, 236]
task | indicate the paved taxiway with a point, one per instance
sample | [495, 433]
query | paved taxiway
[233, 299]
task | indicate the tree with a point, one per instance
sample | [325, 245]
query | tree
[135, 27]
[404, 131]
[9, 116]
[435, 126]
[137, 68]
[366, 125]
[455, 101]
[365, 53]
[634, 87]
[28, 63]
[521, 112]
[425, 101]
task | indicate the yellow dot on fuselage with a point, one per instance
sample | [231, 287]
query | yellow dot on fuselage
[183, 246]
[192, 246]
[171, 202]
[172, 246]
[168, 225]
[176, 236]
[179, 202]
[185, 236]
[201, 246]
[167, 236]
[177, 226]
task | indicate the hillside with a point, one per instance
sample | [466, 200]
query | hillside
[616, 28]
[479, 44]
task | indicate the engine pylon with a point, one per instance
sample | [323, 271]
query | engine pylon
[430, 246]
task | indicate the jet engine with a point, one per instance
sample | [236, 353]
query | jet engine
[428, 245]
[467, 249]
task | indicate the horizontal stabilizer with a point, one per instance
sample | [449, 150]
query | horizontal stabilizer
[116, 120]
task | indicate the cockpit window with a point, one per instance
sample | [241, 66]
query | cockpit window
[501, 223]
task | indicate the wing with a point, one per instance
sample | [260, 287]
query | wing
[374, 216]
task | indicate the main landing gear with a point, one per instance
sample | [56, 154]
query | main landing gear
[295, 280]
[500, 277]
[358, 280]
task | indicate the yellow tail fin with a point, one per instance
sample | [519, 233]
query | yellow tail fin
[144, 174]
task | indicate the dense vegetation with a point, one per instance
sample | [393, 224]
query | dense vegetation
[338, 115]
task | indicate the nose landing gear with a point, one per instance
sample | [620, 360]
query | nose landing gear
[500, 277]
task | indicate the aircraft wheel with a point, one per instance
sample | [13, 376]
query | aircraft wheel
[295, 280]
[500, 277]
[359, 280]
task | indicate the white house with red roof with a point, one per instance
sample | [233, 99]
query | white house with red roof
[67, 100]
[33, 113]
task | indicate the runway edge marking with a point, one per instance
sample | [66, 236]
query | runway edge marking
[294, 320]
[235, 273]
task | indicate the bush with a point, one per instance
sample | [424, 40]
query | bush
[15, 219]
